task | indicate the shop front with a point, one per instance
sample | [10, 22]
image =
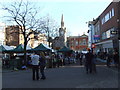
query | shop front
[106, 46]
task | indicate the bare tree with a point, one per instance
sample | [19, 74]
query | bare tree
[24, 14]
[50, 28]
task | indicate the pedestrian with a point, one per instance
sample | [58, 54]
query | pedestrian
[35, 66]
[7, 63]
[54, 61]
[81, 57]
[61, 60]
[116, 58]
[42, 65]
[108, 60]
[57, 60]
[88, 62]
[94, 63]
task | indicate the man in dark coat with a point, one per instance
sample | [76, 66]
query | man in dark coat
[116, 58]
[88, 62]
[109, 57]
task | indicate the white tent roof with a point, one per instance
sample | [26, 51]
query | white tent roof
[48, 47]
[27, 48]
[7, 47]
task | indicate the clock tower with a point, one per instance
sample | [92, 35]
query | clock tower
[60, 41]
[62, 29]
[62, 33]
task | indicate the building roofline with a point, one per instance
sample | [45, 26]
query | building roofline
[106, 8]
[77, 36]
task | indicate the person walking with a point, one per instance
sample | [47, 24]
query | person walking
[108, 60]
[81, 57]
[88, 62]
[42, 65]
[116, 58]
[58, 60]
[35, 66]
[94, 63]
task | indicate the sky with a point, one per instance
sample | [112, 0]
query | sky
[76, 12]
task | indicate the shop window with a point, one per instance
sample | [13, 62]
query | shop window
[107, 17]
[112, 11]
[112, 29]
[103, 20]
[108, 34]
[104, 35]
[110, 14]
[84, 42]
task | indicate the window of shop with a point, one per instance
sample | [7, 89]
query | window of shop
[112, 29]
[76, 43]
[80, 43]
[98, 27]
[84, 42]
[107, 17]
[112, 12]
[104, 35]
[95, 29]
[103, 20]
[108, 34]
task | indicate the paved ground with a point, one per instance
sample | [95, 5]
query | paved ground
[73, 76]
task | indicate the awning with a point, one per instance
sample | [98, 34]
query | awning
[41, 47]
[65, 49]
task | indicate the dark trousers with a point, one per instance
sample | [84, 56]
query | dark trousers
[94, 68]
[89, 67]
[42, 72]
[35, 69]
[80, 61]
[108, 62]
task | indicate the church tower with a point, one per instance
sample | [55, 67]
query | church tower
[62, 30]
[62, 33]
[62, 22]
[60, 42]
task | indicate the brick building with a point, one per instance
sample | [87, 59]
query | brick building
[78, 43]
[12, 35]
[109, 22]
[107, 26]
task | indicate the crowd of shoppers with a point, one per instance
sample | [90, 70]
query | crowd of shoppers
[41, 60]
[109, 57]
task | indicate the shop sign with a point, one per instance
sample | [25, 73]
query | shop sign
[96, 37]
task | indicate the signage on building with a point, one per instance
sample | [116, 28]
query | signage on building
[114, 32]
[96, 37]
[93, 45]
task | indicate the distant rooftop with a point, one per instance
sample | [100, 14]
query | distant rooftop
[84, 35]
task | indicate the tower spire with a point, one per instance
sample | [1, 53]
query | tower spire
[62, 22]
